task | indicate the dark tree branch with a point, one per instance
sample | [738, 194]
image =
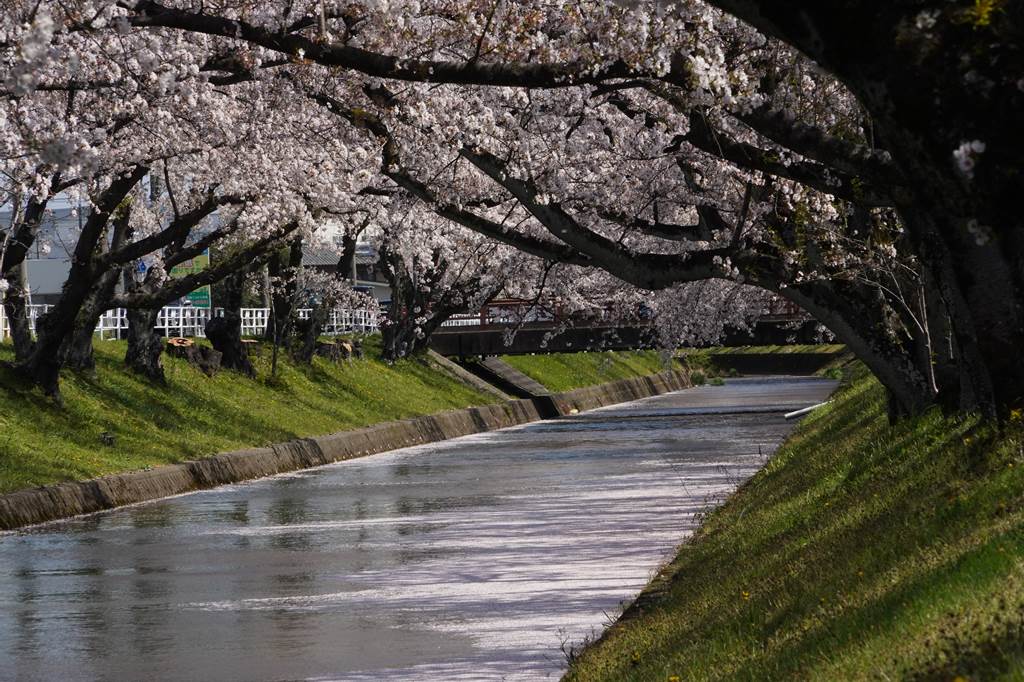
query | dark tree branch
[151, 13]
[814, 175]
[177, 231]
[814, 143]
[392, 168]
[671, 232]
[647, 270]
[176, 288]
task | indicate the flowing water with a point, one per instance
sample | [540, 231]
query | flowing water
[477, 558]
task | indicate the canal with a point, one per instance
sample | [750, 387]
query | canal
[477, 558]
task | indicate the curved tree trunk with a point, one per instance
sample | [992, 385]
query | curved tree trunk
[852, 315]
[43, 365]
[965, 224]
[12, 268]
[80, 355]
[145, 345]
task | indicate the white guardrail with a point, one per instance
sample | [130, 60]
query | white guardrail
[191, 322]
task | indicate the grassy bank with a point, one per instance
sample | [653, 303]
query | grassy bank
[773, 350]
[723, 361]
[568, 371]
[196, 416]
[861, 551]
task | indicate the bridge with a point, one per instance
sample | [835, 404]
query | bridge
[507, 328]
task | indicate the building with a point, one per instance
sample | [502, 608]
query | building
[369, 277]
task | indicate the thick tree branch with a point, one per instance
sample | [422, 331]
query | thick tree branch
[176, 288]
[177, 231]
[814, 143]
[701, 232]
[392, 168]
[646, 270]
[814, 175]
[152, 13]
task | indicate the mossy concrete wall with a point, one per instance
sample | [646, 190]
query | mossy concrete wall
[622, 391]
[64, 500]
[798, 364]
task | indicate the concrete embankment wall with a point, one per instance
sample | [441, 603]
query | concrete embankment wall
[619, 392]
[773, 363]
[64, 500]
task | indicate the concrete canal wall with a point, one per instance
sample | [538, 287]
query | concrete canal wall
[64, 500]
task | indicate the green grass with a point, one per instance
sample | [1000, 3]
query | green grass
[196, 416]
[699, 360]
[775, 350]
[861, 551]
[560, 372]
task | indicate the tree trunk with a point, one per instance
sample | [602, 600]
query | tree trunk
[853, 318]
[225, 333]
[145, 345]
[43, 365]
[283, 266]
[313, 329]
[346, 268]
[80, 356]
[16, 309]
[921, 89]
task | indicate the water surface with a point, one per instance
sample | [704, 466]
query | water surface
[478, 558]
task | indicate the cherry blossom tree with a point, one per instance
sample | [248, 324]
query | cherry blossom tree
[436, 270]
[857, 161]
[791, 118]
[242, 158]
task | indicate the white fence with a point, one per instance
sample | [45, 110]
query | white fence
[191, 322]
[340, 321]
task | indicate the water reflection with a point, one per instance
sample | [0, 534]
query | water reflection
[472, 559]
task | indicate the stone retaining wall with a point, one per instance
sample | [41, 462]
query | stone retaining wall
[64, 500]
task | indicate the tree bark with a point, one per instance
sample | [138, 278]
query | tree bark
[311, 331]
[80, 355]
[145, 345]
[283, 266]
[225, 333]
[16, 309]
[921, 91]
[43, 365]
[853, 317]
[13, 269]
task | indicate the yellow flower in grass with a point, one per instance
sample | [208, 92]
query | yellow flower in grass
[745, 595]
[673, 678]
[1017, 415]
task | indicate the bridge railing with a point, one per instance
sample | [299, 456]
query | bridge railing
[187, 321]
[504, 314]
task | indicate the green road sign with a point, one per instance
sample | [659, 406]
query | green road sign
[201, 297]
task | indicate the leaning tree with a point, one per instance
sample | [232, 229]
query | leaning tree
[889, 127]
[236, 168]
[857, 161]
